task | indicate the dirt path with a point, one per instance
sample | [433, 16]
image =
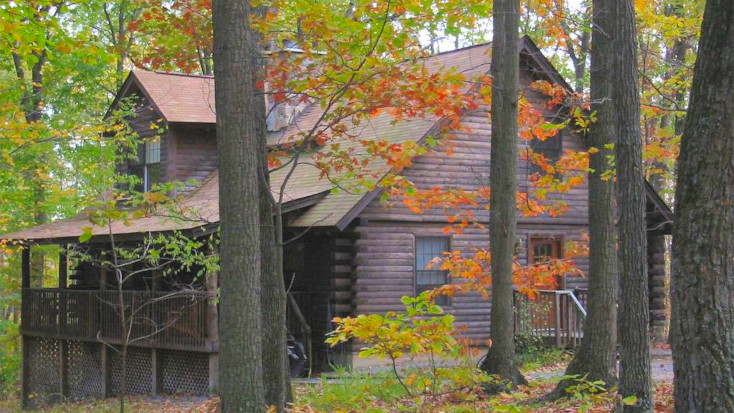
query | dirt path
[661, 364]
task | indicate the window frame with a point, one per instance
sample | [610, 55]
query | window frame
[145, 165]
[556, 242]
[449, 241]
[536, 146]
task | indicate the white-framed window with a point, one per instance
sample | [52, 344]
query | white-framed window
[148, 165]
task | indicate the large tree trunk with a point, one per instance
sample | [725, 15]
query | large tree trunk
[500, 359]
[596, 358]
[702, 328]
[634, 340]
[238, 144]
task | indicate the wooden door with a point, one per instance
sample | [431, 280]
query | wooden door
[540, 250]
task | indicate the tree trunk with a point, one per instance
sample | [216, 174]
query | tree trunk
[634, 340]
[702, 327]
[276, 372]
[500, 359]
[276, 376]
[238, 145]
[596, 358]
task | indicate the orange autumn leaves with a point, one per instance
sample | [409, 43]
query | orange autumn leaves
[462, 206]
[472, 272]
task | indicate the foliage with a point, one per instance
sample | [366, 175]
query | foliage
[422, 330]
[377, 393]
[9, 356]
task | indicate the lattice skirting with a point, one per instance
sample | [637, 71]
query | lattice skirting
[42, 374]
[138, 371]
[84, 374]
[182, 372]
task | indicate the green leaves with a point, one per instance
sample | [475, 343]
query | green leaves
[86, 234]
[630, 400]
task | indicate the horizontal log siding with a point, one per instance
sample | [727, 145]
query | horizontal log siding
[142, 124]
[193, 154]
[384, 261]
[385, 265]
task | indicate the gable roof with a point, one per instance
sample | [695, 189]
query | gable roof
[177, 98]
[190, 99]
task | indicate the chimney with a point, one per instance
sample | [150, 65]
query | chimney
[282, 108]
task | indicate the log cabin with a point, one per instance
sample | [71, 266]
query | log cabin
[358, 254]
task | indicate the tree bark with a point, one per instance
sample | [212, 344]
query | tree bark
[276, 372]
[702, 328]
[500, 359]
[596, 357]
[238, 145]
[634, 378]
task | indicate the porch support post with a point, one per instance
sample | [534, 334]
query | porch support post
[155, 377]
[26, 267]
[213, 374]
[104, 351]
[154, 352]
[63, 344]
[212, 331]
[558, 319]
[25, 354]
[63, 269]
[104, 360]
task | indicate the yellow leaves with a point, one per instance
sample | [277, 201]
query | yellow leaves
[63, 47]
[8, 159]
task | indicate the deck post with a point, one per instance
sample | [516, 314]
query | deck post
[154, 353]
[63, 368]
[26, 267]
[155, 379]
[63, 269]
[104, 351]
[213, 374]
[558, 319]
[25, 354]
[104, 361]
[63, 344]
[212, 331]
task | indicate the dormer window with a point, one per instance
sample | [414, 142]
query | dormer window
[148, 165]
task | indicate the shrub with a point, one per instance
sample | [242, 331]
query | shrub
[422, 331]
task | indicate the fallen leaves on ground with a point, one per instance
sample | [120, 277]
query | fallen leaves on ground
[524, 399]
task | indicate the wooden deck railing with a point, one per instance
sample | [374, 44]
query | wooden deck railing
[175, 320]
[556, 315]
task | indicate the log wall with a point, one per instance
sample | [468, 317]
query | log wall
[147, 123]
[319, 270]
[192, 154]
[385, 261]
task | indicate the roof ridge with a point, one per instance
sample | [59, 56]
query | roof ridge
[461, 49]
[161, 72]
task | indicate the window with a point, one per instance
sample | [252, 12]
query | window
[426, 249]
[544, 249]
[550, 148]
[148, 165]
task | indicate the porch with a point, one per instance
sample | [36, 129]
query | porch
[175, 320]
[73, 335]
[554, 316]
